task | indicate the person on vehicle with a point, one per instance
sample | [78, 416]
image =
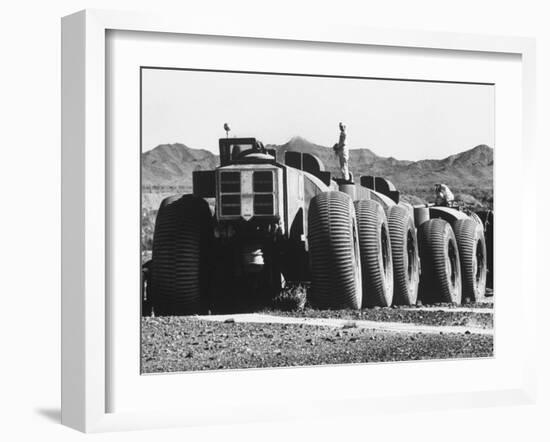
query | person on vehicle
[342, 152]
[443, 195]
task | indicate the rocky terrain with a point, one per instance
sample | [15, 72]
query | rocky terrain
[189, 343]
[172, 165]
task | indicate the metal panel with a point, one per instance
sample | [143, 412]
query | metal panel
[204, 183]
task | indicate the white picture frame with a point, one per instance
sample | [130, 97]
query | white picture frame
[85, 214]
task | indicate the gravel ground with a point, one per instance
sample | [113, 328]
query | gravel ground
[186, 343]
[409, 316]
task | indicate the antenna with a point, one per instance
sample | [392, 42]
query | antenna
[227, 129]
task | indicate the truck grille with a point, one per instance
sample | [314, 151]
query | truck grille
[247, 193]
[263, 204]
[262, 185]
[263, 182]
[230, 189]
[231, 205]
[230, 182]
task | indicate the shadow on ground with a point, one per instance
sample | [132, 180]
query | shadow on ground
[51, 414]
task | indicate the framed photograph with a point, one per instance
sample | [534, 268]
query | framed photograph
[295, 222]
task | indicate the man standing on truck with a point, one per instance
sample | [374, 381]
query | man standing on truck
[341, 150]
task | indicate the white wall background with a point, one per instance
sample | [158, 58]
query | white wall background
[30, 220]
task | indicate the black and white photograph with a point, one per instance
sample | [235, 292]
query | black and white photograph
[302, 220]
[246, 221]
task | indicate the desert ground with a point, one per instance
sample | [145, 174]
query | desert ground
[276, 338]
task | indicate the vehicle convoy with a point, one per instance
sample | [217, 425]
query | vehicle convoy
[258, 220]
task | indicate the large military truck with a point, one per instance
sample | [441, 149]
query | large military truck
[258, 220]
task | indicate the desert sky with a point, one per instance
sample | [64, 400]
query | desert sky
[398, 118]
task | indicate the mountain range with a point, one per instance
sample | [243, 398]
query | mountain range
[469, 174]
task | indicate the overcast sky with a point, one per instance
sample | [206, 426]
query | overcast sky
[406, 120]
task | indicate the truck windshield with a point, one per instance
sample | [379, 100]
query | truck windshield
[237, 149]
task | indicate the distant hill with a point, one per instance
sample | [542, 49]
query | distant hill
[172, 164]
[470, 173]
[472, 169]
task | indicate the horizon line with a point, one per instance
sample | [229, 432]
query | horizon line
[318, 145]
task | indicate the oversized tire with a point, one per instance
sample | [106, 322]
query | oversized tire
[376, 253]
[473, 258]
[486, 217]
[334, 252]
[181, 246]
[440, 279]
[405, 258]
[146, 306]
